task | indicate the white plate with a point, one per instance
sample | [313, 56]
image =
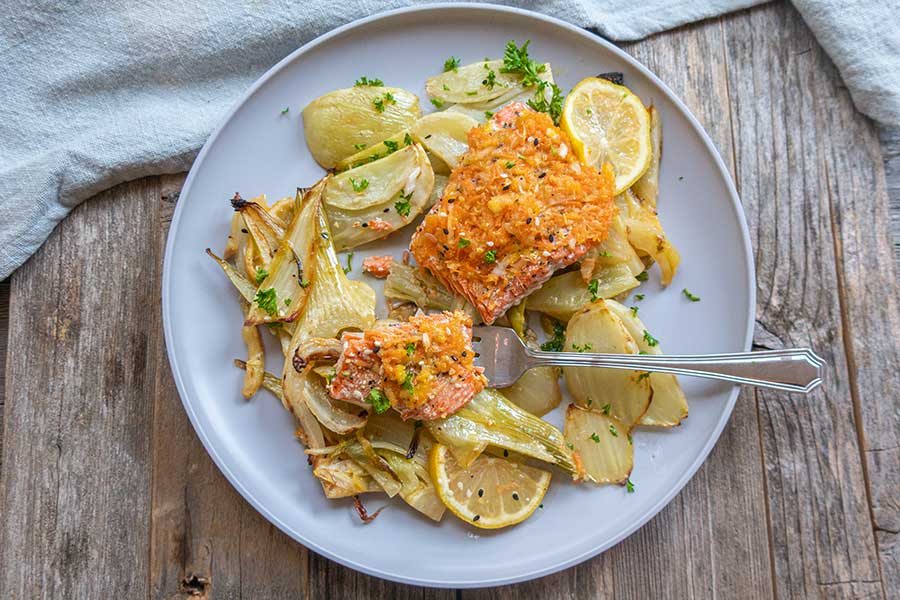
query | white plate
[259, 150]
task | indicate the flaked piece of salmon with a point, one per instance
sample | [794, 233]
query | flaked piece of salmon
[519, 206]
[425, 366]
[378, 266]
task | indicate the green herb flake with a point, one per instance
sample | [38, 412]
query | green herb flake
[446, 87]
[451, 64]
[360, 185]
[605, 408]
[305, 284]
[613, 431]
[634, 311]
[438, 103]
[491, 80]
[510, 164]
[410, 348]
[490, 256]
[488, 114]
[554, 106]
[643, 376]
[516, 60]
[639, 297]
[642, 276]
[651, 341]
[261, 275]
[359, 146]
[266, 300]
[403, 205]
[463, 243]
[630, 441]
[365, 81]
[285, 110]
[408, 382]
[407, 140]
[585, 348]
[596, 438]
[378, 401]
[391, 146]
[593, 288]
[570, 446]
[558, 341]
[690, 296]
[629, 486]
[471, 93]
[349, 266]
[382, 102]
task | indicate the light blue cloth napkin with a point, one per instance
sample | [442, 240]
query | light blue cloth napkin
[96, 93]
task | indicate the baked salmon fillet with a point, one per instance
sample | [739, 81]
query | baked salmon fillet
[424, 367]
[519, 206]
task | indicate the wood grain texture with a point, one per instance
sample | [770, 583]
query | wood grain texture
[76, 453]
[4, 336]
[789, 152]
[890, 152]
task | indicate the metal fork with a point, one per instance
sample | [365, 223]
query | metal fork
[505, 358]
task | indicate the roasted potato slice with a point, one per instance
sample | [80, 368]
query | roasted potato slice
[339, 123]
[602, 445]
[621, 394]
[370, 202]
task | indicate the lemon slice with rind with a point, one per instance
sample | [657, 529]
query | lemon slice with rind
[609, 123]
[492, 492]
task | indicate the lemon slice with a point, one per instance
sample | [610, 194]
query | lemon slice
[491, 493]
[609, 123]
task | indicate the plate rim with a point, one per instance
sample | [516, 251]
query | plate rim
[298, 536]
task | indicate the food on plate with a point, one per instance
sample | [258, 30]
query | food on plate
[518, 207]
[540, 208]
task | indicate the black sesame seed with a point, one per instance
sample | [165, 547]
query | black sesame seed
[446, 231]
[542, 175]
[505, 187]
[453, 358]
[505, 453]
[480, 492]
[451, 200]
[551, 238]
[515, 496]
[386, 210]
[476, 517]
[365, 224]
[243, 231]
[464, 354]
[528, 221]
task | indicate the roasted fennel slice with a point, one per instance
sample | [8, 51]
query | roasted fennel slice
[477, 82]
[339, 123]
[668, 405]
[445, 135]
[282, 294]
[646, 234]
[603, 446]
[565, 294]
[375, 151]
[410, 284]
[490, 419]
[647, 187]
[370, 202]
[483, 111]
[621, 394]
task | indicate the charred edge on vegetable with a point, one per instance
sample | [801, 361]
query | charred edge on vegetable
[613, 76]
[413, 443]
[364, 515]
[237, 203]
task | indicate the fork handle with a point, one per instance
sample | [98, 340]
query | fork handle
[792, 369]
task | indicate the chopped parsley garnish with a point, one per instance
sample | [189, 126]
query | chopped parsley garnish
[349, 266]
[363, 81]
[261, 275]
[510, 164]
[463, 243]
[634, 311]
[359, 146]
[403, 205]
[287, 301]
[638, 297]
[605, 253]
[305, 284]
[593, 288]
[559, 338]
[605, 409]
[410, 348]
[590, 401]
[651, 341]
[383, 101]
[451, 64]
[471, 93]
[490, 256]
[584, 348]
[438, 103]
[690, 296]
[378, 401]
[612, 430]
[407, 140]
[266, 300]
[408, 382]
[629, 486]
[554, 106]
[643, 376]
[488, 114]
[392, 146]
[446, 87]
[642, 276]
[285, 110]
[630, 441]
[516, 60]
[570, 446]
[491, 80]
[595, 438]
[360, 185]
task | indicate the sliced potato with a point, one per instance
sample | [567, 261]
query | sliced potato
[282, 295]
[372, 201]
[668, 405]
[564, 294]
[647, 187]
[621, 394]
[445, 135]
[646, 234]
[602, 445]
[472, 83]
[339, 123]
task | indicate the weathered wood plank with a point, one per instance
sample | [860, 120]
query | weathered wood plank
[785, 153]
[74, 491]
[4, 336]
[712, 539]
[890, 153]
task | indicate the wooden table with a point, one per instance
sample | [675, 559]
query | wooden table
[106, 491]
